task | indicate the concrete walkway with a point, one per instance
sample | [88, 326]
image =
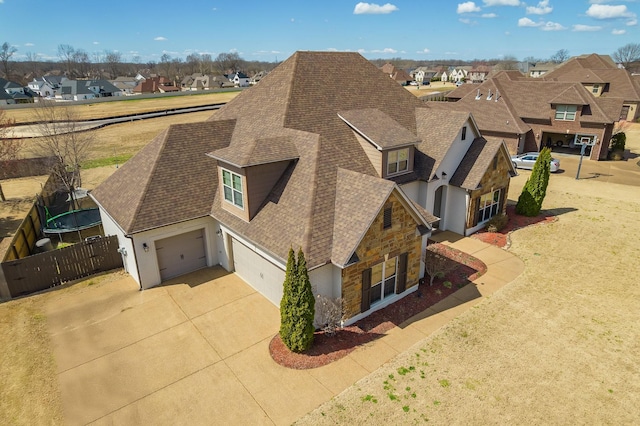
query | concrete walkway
[195, 351]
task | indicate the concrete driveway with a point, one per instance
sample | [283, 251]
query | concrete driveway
[195, 350]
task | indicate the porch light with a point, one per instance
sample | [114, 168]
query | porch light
[145, 247]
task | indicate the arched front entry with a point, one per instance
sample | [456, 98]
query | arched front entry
[439, 202]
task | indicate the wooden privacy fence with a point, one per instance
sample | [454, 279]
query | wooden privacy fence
[52, 268]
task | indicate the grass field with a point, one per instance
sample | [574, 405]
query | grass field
[130, 105]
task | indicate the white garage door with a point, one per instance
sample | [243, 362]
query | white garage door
[181, 254]
[258, 272]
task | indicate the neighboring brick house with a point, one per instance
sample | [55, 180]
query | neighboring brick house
[478, 74]
[155, 84]
[352, 179]
[602, 78]
[397, 74]
[529, 114]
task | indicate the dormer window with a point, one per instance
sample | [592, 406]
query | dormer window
[566, 112]
[232, 187]
[464, 133]
[398, 161]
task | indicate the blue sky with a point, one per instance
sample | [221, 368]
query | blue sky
[270, 30]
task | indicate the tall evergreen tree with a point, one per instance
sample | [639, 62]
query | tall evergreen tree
[287, 304]
[535, 189]
[297, 307]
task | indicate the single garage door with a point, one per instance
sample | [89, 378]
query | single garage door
[181, 254]
[258, 272]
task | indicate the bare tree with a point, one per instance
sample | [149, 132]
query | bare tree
[32, 60]
[206, 63]
[113, 60]
[65, 53]
[81, 58]
[6, 52]
[165, 63]
[560, 56]
[436, 265]
[627, 54]
[229, 62]
[508, 63]
[9, 148]
[62, 138]
[193, 63]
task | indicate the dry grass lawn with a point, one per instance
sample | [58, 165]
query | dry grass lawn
[131, 105]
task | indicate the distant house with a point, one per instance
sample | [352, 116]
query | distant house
[13, 93]
[155, 84]
[47, 85]
[423, 74]
[76, 90]
[459, 73]
[125, 84]
[356, 178]
[478, 74]
[600, 75]
[540, 69]
[529, 114]
[239, 79]
[398, 75]
[257, 77]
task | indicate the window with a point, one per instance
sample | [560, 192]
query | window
[596, 88]
[489, 205]
[566, 112]
[398, 161]
[383, 280]
[232, 187]
[495, 162]
[464, 132]
[387, 218]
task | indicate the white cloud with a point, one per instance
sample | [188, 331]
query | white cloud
[583, 28]
[489, 15]
[501, 2]
[374, 9]
[607, 11]
[96, 42]
[618, 32]
[467, 7]
[552, 26]
[424, 51]
[542, 8]
[467, 21]
[526, 22]
[632, 22]
[385, 50]
[160, 38]
[29, 44]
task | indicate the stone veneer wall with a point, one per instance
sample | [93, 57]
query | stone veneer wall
[378, 242]
[491, 181]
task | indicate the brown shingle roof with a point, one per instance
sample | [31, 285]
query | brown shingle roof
[257, 151]
[476, 162]
[168, 181]
[379, 128]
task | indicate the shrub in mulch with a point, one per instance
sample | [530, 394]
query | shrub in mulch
[327, 349]
[516, 221]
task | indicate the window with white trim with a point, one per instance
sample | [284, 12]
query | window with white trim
[398, 161]
[566, 112]
[383, 280]
[596, 88]
[489, 205]
[232, 188]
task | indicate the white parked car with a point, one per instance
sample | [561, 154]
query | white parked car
[528, 159]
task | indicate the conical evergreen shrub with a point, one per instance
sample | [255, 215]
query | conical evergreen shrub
[535, 189]
[297, 308]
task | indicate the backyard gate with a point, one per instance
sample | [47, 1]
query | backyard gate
[52, 268]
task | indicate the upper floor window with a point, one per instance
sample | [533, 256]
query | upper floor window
[464, 132]
[232, 187]
[398, 161]
[596, 88]
[566, 112]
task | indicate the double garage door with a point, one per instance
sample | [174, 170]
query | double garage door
[181, 254]
[258, 272]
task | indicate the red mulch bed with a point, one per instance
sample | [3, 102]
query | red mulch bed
[326, 349]
[516, 221]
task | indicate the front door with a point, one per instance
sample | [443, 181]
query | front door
[439, 205]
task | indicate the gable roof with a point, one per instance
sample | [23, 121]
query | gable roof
[477, 160]
[378, 128]
[168, 181]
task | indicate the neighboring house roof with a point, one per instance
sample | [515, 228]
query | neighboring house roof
[501, 104]
[171, 180]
